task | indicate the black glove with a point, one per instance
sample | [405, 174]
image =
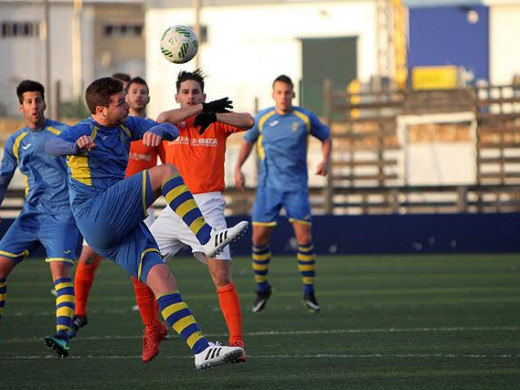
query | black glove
[204, 119]
[217, 105]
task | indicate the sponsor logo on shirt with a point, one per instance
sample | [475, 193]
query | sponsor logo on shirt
[273, 123]
[25, 147]
[183, 140]
[140, 156]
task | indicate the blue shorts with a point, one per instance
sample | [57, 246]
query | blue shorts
[112, 224]
[269, 202]
[57, 233]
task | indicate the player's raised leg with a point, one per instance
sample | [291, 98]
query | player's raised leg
[166, 180]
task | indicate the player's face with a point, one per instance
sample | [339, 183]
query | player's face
[283, 95]
[137, 96]
[32, 108]
[190, 94]
[117, 110]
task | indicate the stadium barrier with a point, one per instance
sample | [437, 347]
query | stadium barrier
[390, 234]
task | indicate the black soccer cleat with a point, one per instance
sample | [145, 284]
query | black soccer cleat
[77, 323]
[261, 300]
[311, 303]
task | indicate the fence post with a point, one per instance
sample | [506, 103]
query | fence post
[328, 190]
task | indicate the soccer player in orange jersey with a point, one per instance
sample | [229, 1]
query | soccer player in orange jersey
[141, 157]
[199, 154]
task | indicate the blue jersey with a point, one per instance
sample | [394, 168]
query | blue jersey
[94, 171]
[282, 142]
[45, 176]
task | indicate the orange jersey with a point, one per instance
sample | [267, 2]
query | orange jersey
[200, 158]
[142, 157]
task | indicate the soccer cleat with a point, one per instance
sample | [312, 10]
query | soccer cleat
[312, 304]
[215, 355]
[58, 343]
[151, 339]
[78, 321]
[220, 238]
[261, 300]
[239, 343]
[163, 331]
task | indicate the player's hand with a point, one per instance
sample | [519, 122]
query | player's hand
[151, 139]
[240, 180]
[322, 169]
[219, 105]
[204, 119]
[85, 142]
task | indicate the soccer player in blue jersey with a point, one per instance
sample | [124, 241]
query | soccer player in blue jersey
[46, 218]
[109, 209]
[281, 133]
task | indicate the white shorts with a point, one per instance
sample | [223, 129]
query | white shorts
[171, 233]
[148, 221]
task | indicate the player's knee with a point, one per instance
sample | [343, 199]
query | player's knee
[169, 170]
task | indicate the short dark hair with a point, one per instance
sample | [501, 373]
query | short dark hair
[196, 75]
[29, 86]
[125, 77]
[284, 79]
[138, 80]
[99, 91]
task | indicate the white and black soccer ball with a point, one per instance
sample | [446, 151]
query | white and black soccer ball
[179, 44]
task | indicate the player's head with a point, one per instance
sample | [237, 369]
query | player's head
[105, 99]
[123, 77]
[190, 88]
[137, 96]
[31, 96]
[283, 93]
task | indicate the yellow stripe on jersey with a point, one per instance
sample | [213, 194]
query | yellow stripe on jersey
[16, 145]
[261, 123]
[53, 130]
[304, 118]
[79, 169]
[94, 132]
[26, 185]
[125, 129]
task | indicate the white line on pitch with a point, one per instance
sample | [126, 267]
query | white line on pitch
[299, 332]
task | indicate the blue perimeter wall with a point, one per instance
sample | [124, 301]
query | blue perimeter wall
[387, 234]
[391, 234]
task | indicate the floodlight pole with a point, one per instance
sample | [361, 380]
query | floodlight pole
[197, 6]
[48, 82]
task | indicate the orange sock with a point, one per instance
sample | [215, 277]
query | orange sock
[145, 299]
[82, 283]
[230, 306]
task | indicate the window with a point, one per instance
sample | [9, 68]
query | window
[118, 29]
[20, 29]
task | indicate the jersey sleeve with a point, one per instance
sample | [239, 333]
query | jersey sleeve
[139, 126]
[71, 134]
[318, 129]
[9, 165]
[253, 133]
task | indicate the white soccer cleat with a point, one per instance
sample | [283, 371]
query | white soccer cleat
[220, 238]
[215, 355]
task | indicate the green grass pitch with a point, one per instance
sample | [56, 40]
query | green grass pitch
[387, 322]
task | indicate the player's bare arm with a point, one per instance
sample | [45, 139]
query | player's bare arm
[242, 120]
[179, 114]
[326, 149]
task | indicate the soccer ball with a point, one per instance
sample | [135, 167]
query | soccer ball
[179, 44]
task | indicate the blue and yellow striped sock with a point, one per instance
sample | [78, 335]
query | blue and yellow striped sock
[180, 199]
[307, 266]
[178, 316]
[3, 295]
[65, 304]
[261, 257]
